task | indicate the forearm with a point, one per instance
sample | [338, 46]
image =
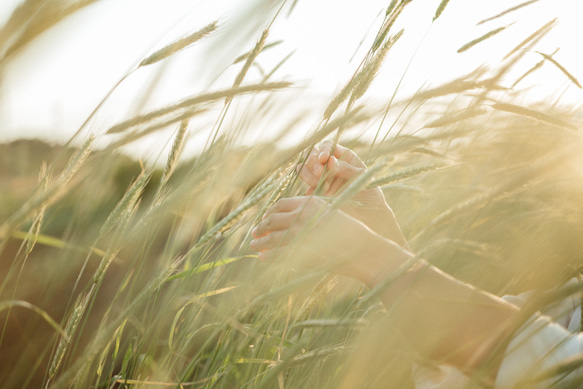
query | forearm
[443, 318]
[386, 225]
[380, 219]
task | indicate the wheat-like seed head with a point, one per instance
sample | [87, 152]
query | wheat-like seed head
[340, 98]
[46, 194]
[277, 194]
[371, 69]
[474, 42]
[387, 26]
[34, 230]
[65, 341]
[251, 58]
[178, 45]
[512, 9]
[318, 293]
[360, 83]
[440, 9]
[194, 101]
[232, 217]
[391, 7]
[175, 151]
[77, 160]
[407, 173]
[126, 204]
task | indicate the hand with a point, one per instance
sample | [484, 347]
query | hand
[308, 229]
[343, 165]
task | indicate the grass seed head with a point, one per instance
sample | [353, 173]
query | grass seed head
[126, 204]
[370, 70]
[192, 102]
[440, 9]
[251, 58]
[391, 7]
[175, 151]
[509, 10]
[474, 42]
[178, 45]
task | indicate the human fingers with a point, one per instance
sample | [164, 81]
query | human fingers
[325, 151]
[340, 172]
[343, 169]
[313, 164]
[279, 229]
[299, 205]
[271, 241]
[287, 204]
[311, 169]
[269, 255]
[306, 174]
[340, 152]
[349, 156]
[273, 222]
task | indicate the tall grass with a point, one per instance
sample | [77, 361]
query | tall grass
[135, 276]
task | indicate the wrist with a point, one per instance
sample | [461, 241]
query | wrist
[382, 262]
[382, 220]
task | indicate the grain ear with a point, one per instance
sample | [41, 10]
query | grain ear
[440, 9]
[250, 57]
[178, 45]
[474, 42]
[192, 103]
[509, 10]
[175, 152]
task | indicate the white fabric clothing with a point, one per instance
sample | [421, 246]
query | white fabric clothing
[546, 340]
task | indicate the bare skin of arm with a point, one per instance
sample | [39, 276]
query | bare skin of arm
[442, 318]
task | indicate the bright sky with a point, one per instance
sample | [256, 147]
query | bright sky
[49, 90]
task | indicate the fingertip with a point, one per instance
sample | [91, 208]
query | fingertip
[324, 156]
[339, 151]
[332, 162]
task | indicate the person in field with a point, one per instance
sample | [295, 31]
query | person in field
[462, 326]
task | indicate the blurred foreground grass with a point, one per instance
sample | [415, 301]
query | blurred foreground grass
[116, 274]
